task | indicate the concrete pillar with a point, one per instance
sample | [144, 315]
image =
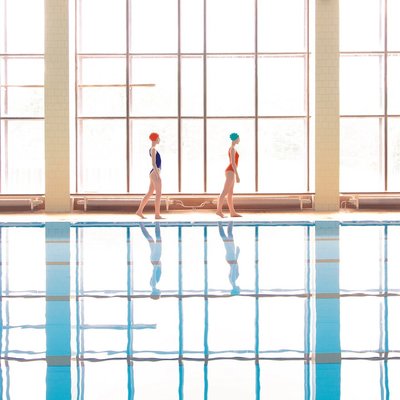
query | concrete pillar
[57, 190]
[327, 121]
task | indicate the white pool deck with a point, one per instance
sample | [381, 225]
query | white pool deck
[202, 216]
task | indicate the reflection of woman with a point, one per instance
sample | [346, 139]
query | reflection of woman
[155, 178]
[231, 175]
[231, 256]
[155, 258]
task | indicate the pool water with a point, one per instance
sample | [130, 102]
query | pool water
[283, 310]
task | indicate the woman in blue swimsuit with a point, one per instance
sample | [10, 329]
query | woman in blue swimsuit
[155, 179]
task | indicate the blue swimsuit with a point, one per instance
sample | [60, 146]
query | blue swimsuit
[158, 160]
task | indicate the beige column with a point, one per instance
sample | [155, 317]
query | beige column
[327, 105]
[57, 106]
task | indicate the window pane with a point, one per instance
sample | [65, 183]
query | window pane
[21, 71]
[192, 90]
[22, 157]
[218, 144]
[361, 85]
[102, 156]
[192, 26]
[394, 154]
[393, 64]
[282, 155]
[161, 100]
[102, 71]
[22, 102]
[361, 25]
[24, 22]
[102, 26]
[393, 25]
[102, 102]
[141, 160]
[281, 86]
[361, 150]
[278, 29]
[230, 26]
[192, 160]
[227, 95]
[154, 26]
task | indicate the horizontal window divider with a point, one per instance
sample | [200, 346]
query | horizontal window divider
[379, 52]
[123, 55]
[6, 195]
[183, 194]
[25, 55]
[117, 85]
[22, 86]
[370, 116]
[370, 193]
[200, 117]
[21, 118]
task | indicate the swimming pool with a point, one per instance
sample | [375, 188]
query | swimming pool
[282, 310]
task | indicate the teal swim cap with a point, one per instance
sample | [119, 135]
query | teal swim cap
[233, 136]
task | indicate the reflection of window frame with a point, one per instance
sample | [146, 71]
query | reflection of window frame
[180, 355]
[385, 116]
[205, 118]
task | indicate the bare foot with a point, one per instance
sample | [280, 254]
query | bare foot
[235, 215]
[139, 214]
[159, 216]
[220, 214]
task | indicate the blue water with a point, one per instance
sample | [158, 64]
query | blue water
[305, 310]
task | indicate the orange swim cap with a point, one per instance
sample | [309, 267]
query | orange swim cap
[153, 136]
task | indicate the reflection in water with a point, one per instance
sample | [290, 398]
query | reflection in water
[155, 257]
[232, 255]
[78, 320]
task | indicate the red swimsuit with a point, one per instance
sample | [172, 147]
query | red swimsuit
[230, 168]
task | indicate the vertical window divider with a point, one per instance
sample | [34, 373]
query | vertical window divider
[128, 102]
[307, 23]
[385, 96]
[179, 101]
[76, 25]
[205, 94]
[5, 91]
[256, 93]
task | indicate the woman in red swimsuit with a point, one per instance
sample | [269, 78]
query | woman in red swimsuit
[231, 175]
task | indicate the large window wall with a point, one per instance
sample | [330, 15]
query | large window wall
[194, 71]
[370, 95]
[21, 96]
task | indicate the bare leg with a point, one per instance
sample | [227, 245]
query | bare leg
[228, 183]
[145, 199]
[158, 186]
[229, 199]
